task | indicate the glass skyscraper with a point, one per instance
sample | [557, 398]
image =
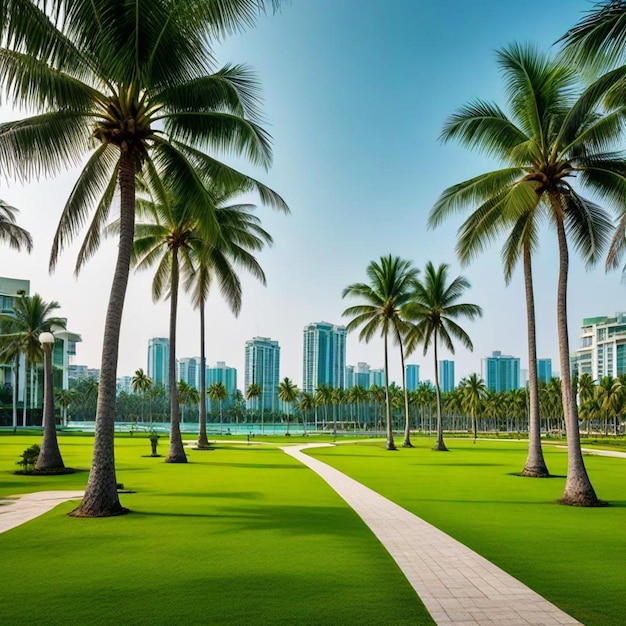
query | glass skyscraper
[324, 356]
[500, 372]
[221, 373]
[544, 370]
[189, 371]
[158, 360]
[412, 376]
[446, 375]
[262, 368]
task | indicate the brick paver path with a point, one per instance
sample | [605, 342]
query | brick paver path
[16, 511]
[456, 585]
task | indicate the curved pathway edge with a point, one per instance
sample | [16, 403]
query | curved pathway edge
[456, 585]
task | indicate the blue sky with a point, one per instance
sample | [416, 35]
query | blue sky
[356, 93]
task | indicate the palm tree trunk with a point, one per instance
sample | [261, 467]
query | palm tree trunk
[578, 488]
[440, 445]
[390, 445]
[203, 442]
[535, 463]
[101, 499]
[406, 443]
[49, 460]
[16, 377]
[176, 453]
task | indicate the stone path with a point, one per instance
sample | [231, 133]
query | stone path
[16, 511]
[456, 585]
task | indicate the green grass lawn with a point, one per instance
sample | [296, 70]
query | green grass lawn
[572, 556]
[240, 535]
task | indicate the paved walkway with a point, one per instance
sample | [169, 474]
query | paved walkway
[16, 511]
[456, 585]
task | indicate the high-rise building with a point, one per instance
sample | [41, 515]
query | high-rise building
[221, 373]
[377, 377]
[124, 383]
[348, 380]
[446, 375]
[412, 376]
[64, 346]
[262, 368]
[544, 370]
[602, 349]
[189, 371]
[158, 360]
[500, 372]
[324, 360]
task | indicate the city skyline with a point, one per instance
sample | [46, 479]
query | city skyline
[329, 161]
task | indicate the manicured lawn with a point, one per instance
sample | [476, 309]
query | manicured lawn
[574, 557]
[240, 535]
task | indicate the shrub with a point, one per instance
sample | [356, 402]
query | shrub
[28, 459]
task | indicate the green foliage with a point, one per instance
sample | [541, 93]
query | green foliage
[28, 458]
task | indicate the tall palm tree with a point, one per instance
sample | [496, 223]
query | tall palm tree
[217, 392]
[391, 282]
[586, 393]
[306, 403]
[288, 393]
[554, 138]
[216, 258]
[10, 232]
[141, 383]
[32, 316]
[434, 308]
[123, 87]
[377, 395]
[474, 392]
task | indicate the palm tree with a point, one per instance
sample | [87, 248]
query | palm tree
[586, 393]
[218, 393]
[253, 392]
[434, 309]
[216, 258]
[65, 398]
[288, 393]
[610, 395]
[31, 317]
[141, 383]
[554, 137]
[474, 392]
[391, 282]
[377, 395]
[306, 403]
[131, 86]
[324, 396]
[10, 232]
[186, 394]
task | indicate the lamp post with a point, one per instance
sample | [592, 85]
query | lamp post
[50, 459]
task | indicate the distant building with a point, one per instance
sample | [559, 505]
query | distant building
[76, 372]
[349, 377]
[221, 373]
[412, 376]
[544, 370]
[189, 371]
[602, 350]
[324, 356]
[29, 387]
[446, 375]
[500, 372]
[262, 367]
[377, 377]
[93, 372]
[158, 360]
[125, 384]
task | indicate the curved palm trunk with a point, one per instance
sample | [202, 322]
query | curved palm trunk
[390, 445]
[49, 460]
[578, 488]
[101, 499]
[535, 463]
[176, 453]
[203, 442]
[406, 443]
[440, 446]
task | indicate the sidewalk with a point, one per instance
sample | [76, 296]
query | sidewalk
[16, 511]
[456, 585]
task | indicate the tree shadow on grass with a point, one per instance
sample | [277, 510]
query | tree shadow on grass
[289, 466]
[299, 520]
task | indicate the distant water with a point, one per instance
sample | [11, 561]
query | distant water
[212, 429]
